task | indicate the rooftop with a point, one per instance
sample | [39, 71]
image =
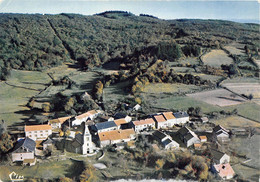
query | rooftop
[217, 155]
[168, 115]
[26, 143]
[118, 122]
[37, 127]
[142, 122]
[159, 134]
[159, 118]
[104, 125]
[224, 170]
[116, 134]
[60, 120]
[181, 114]
[87, 114]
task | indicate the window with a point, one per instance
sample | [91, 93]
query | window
[35, 131]
[41, 131]
[41, 134]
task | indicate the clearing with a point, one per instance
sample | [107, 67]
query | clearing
[216, 58]
[220, 97]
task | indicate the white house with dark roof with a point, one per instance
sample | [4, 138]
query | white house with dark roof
[181, 117]
[166, 141]
[188, 137]
[105, 126]
[219, 157]
[220, 134]
[23, 149]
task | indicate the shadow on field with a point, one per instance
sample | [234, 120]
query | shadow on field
[75, 169]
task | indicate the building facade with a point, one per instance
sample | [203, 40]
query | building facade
[38, 132]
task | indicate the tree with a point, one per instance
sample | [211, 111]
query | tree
[65, 179]
[159, 164]
[6, 143]
[250, 97]
[46, 107]
[88, 175]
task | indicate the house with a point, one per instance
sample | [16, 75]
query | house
[137, 107]
[203, 139]
[181, 117]
[119, 122]
[56, 123]
[141, 125]
[223, 171]
[90, 115]
[170, 118]
[38, 132]
[23, 149]
[219, 157]
[169, 144]
[188, 137]
[115, 136]
[105, 126]
[220, 134]
[88, 146]
[120, 115]
[160, 121]
[47, 144]
[165, 140]
[197, 145]
[77, 143]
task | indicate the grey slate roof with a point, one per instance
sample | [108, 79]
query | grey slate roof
[104, 125]
[159, 134]
[26, 143]
[217, 128]
[217, 155]
[180, 114]
[166, 142]
[184, 131]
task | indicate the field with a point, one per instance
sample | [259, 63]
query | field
[180, 103]
[15, 93]
[170, 88]
[220, 97]
[249, 110]
[235, 48]
[216, 58]
[236, 122]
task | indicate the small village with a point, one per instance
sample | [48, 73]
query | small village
[88, 133]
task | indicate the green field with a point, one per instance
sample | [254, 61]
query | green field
[216, 58]
[16, 91]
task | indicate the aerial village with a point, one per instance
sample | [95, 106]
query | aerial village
[90, 132]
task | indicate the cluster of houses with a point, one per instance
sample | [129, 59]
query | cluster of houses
[87, 136]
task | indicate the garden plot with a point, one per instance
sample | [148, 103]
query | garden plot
[237, 49]
[244, 88]
[220, 97]
[236, 122]
[216, 58]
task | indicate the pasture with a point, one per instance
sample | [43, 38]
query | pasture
[216, 58]
[219, 97]
[236, 122]
[236, 49]
[156, 88]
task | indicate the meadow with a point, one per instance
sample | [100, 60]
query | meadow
[216, 58]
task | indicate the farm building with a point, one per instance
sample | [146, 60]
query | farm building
[141, 125]
[115, 136]
[90, 115]
[220, 134]
[47, 144]
[119, 122]
[105, 126]
[56, 123]
[120, 115]
[203, 138]
[181, 117]
[219, 157]
[38, 132]
[188, 137]
[223, 171]
[165, 140]
[24, 149]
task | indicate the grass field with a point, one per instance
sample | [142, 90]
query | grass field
[15, 93]
[236, 122]
[220, 97]
[183, 103]
[235, 49]
[170, 88]
[249, 110]
[216, 58]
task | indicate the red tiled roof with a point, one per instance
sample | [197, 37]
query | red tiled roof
[116, 134]
[120, 121]
[168, 115]
[87, 114]
[203, 137]
[146, 121]
[159, 118]
[37, 127]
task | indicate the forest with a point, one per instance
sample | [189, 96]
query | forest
[37, 42]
